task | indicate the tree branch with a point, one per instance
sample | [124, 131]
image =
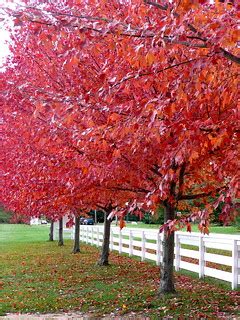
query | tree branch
[107, 208]
[226, 54]
[157, 5]
[136, 190]
[132, 33]
[230, 56]
[78, 151]
[181, 180]
[155, 169]
[151, 73]
[199, 195]
[45, 71]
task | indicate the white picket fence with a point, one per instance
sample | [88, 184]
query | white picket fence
[192, 250]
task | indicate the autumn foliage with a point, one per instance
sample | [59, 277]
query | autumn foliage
[132, 104]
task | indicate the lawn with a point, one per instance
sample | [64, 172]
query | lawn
[38, 276]
[213, 228]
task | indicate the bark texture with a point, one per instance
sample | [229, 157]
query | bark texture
[51, 231]
[103, 261]
[167, 265]
[60, 232]
[76, 247]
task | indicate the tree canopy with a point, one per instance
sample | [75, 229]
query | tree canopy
[128, 103]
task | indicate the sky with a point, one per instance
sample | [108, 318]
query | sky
[4, 51]
[4, 35]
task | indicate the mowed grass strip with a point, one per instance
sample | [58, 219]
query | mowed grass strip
[212, 229]
[38, 276]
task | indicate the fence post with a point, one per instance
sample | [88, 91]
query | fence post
[201, 256]
[89, 235]
[120, 242]
[111, 240]
[92, 237]
[88, 240]
[86, 234]
[143, 246]
[98, 236]
[55, 233]
[72, 233]
[83, 233]
[177, 252]
[158, 251]
[130, 243]
[235, 264]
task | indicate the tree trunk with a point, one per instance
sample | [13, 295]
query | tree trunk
[103, 261]
[76, 247]
[95, 216]
[166, 277]
[51, 231]
[60, 233]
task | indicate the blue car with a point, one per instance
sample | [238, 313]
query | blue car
[88, 221]
[82, 220]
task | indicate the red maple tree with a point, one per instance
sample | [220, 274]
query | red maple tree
[148, 87]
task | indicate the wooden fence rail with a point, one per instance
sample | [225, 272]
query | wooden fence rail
[216, 255]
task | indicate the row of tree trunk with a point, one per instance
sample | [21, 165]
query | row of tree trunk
[166, 276]
[103, 260]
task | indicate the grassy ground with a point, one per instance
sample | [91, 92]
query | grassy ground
[213, 228]
[38, 276]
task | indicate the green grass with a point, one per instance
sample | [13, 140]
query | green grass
[11, 233]
[213, 228]
[38, 276]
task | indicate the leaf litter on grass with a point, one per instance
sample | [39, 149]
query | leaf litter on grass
[51, 279]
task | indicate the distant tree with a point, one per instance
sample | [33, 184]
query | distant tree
[5, 216]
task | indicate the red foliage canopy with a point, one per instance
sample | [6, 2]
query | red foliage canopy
[124, 101]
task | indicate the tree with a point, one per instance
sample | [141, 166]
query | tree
[60, 232]
[76, 247]
[4, 216]
[51, 230]
[103, 259]
[142, 86]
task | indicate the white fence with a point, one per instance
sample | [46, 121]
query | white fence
[193, 251]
